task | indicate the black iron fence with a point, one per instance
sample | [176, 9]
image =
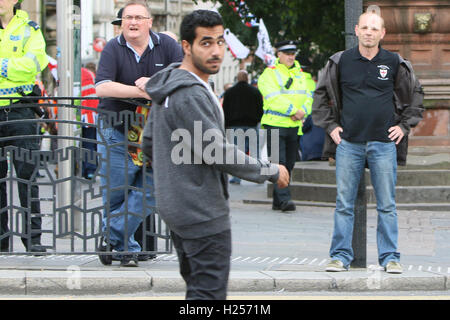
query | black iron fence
[50, 204]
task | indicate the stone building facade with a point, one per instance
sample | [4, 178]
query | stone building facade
[420, 32]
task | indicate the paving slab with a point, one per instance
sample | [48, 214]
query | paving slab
[76, 282]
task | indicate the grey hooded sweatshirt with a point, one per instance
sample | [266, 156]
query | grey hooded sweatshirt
[185, 139]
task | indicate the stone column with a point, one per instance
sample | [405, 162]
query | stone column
[420, 32]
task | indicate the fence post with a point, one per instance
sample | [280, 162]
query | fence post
[359, 240]
[69, 74]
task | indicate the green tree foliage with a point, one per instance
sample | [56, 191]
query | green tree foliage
[318, 24]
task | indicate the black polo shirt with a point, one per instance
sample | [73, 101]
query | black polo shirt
[367, 88]
[118, 62]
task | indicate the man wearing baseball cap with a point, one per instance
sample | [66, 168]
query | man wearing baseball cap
[22, 58]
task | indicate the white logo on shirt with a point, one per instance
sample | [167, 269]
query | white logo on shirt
[383, 72]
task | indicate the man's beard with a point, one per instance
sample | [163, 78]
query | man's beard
[202, 67]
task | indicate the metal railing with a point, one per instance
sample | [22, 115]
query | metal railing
[66, 210]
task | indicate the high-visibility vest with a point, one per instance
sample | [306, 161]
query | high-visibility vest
[310, 87]
[88, 90]
[280, 102]
[310, 84]
[22, 56]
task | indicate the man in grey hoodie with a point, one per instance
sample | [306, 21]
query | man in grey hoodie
[186, 142]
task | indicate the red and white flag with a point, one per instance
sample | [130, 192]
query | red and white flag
[53, 66]
[238, 50]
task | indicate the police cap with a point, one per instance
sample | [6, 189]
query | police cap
[286, 46]
[118, 20]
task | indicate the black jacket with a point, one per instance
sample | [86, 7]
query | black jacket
[242, 105]
[327, 105]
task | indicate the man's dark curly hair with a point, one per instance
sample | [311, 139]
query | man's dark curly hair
[198, 18]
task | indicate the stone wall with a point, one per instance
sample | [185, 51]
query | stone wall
[420, 32]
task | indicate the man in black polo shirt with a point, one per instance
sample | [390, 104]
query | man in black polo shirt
[367, 95]
[127, 62]
[367, 101]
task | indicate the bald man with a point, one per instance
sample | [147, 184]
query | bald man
[243, 108]
[369, 123]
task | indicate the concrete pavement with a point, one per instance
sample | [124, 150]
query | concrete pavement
[424, 238]
[78, 275]
[76, 281]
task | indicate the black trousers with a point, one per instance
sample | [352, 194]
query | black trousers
[24, 170]
[288, 145]
[147, 242]
[205, 265]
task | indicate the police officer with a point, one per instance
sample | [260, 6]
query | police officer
[117, 23]
[22, 57]
[286, 104]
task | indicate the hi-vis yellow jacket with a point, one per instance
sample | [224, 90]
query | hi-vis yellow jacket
[310, 87]
[280, 103]
[22, 56]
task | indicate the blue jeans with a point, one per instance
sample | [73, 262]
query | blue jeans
[125, 204]
[87, 166]
[350, 163]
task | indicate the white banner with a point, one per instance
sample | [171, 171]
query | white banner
[238, 50]
[264, 51]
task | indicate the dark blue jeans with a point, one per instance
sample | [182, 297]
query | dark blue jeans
[89, 167]
[288, 148]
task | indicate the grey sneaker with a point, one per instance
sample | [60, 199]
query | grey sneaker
[394, 267]
[129, 261]
[335, 266]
